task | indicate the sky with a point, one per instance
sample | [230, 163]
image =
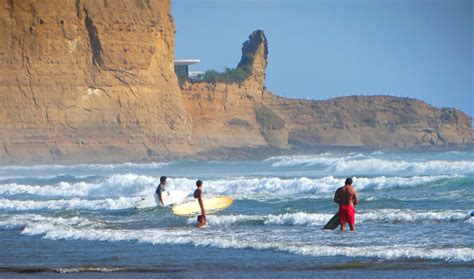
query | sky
[323, 49]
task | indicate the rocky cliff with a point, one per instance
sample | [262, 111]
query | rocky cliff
[93, 81]
[245, 114]
[89, 80]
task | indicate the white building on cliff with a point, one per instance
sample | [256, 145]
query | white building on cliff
[181, 67]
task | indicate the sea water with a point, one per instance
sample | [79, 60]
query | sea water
[413, 217]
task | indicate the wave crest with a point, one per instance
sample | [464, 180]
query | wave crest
[319, 219]
[361, 164]
[71, 204]
[133, 185]
[250, 240]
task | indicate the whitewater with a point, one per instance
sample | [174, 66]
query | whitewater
[414, 212]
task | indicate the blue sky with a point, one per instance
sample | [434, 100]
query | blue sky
[324, 49]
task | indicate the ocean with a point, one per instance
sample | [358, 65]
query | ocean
[412, 221]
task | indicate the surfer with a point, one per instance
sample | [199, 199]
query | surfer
[201, 219]
[346, 197]
[161, 188]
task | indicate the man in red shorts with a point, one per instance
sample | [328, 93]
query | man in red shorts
[346, 197]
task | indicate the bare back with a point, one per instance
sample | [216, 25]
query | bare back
[346, 195]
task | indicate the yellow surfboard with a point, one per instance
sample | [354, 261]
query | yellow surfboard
[211, 205]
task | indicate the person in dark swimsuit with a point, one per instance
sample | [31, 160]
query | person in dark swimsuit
[161, 188]
[346, 197]
[201, 219]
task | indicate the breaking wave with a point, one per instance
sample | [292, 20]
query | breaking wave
[131, 185]
[319, 219]
[248, 240]
[115, 185]
[360, 164]
[71, 204]
[280, 204]
[9, 222]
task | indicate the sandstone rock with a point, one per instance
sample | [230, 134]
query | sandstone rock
[93, 81]
[273, 121]
[99, 71]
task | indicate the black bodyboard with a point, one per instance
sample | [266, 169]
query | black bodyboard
[333, 223]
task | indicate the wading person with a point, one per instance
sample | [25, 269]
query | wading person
[201, 219]
[161, 188]
[346, 197]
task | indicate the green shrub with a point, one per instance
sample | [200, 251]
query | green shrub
[247, 59]
[236, 75]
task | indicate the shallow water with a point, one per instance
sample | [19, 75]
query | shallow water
[413, 215]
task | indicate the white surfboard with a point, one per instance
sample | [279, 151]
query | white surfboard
[169, 198]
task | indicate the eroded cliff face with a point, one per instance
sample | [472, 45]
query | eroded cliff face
[373, 121]
[93, 81]
[224, 114]
[89, 80]
[247, 115]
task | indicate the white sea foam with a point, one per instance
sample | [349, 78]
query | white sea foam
[293, 232]
[319, 219]
[386, 252]
[252, 240]
[240, 188]
[411, 216]
[228, 220]
[9, 222]
[264, 188]
[298, 219]
[114, 185]
[269, 188]
[70, 204]
[360, 164]
[79, 228]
